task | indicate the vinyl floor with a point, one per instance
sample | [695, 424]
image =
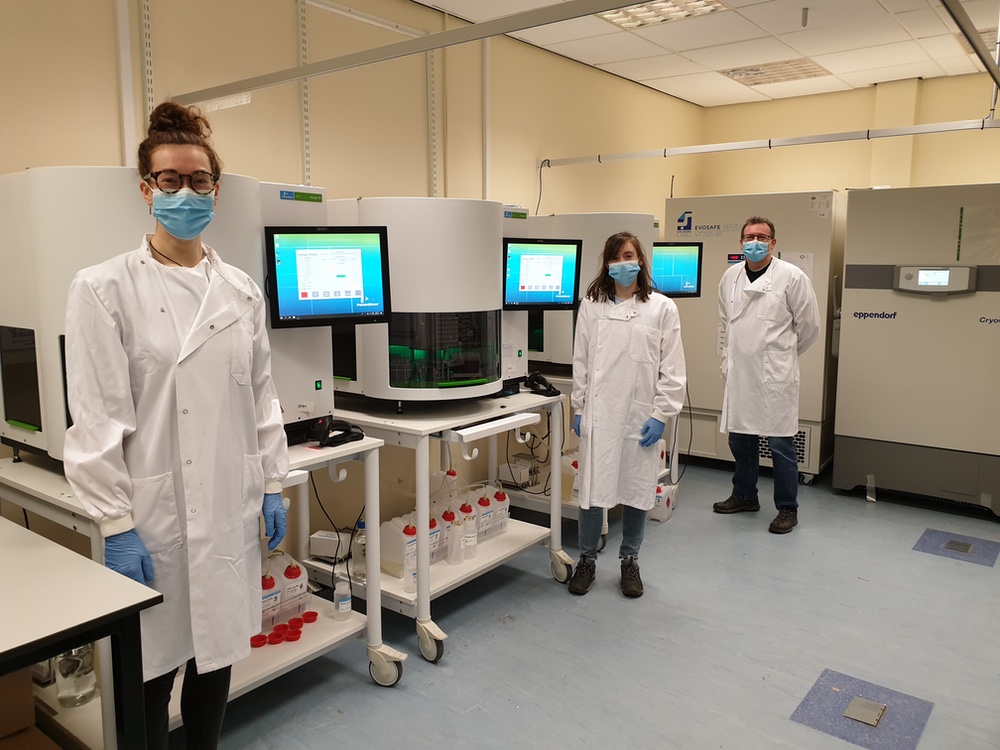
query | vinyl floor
[735, 629]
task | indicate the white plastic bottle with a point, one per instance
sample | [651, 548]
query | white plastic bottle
[470, 533]
[455, 553]
[359, 548]
[342, 600]
[410, 560]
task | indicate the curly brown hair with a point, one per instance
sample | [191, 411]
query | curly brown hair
[174, 124]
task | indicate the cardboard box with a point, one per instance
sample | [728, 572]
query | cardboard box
[18, 702]
[27, 739]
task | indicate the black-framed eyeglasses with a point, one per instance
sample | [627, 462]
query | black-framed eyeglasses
[761, 237]
[170, 181]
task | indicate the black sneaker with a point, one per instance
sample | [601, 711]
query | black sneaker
[735, 505]
[631, 582]
[583, 577]
[786, 519]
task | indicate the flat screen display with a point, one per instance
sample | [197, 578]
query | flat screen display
[541, 274]
[933, 276]
[676, 268]
[319, 276]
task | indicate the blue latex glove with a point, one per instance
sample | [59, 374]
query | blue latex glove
[576, 425]
[651, 432]
[126, 554]
[274, 519]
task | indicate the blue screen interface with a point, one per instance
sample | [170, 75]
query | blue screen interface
[541, 273]
[329, 274]
[676, 268]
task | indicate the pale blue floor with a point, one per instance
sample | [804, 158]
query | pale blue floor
[735, 628]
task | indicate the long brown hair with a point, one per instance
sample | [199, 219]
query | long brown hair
[602, 288]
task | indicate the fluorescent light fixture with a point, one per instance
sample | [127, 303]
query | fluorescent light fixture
[776, 72]
[225, 102]
[650, 14]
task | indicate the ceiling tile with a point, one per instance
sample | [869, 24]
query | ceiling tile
[707, 89]
[785, 16]
[943, 46]
[806, 87]
[752, 52]
[922, 23]
[615, 47]
[900, 6]
[983, 13]
[486, 10]
[565, 31]
[927, 69]
[901, 53]
[845, 36]
[660, 66]
[710, 30]
[956, 66]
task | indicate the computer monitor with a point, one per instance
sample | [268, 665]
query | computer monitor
[319, 276]
[676, 268]
[541, 274]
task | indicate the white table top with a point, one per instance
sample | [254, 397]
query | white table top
[49, 589]
[428, 417]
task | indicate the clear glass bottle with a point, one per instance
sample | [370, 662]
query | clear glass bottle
[75, 678]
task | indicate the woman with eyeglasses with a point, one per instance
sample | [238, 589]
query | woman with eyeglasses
[177, 444]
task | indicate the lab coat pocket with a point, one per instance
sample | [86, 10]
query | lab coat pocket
[643, 344]
[772, 307]
[638, 413]
[155, 512]
[779, 367]
[242, 352]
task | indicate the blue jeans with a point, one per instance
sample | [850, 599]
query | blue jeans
[746, 451]
[633, 529]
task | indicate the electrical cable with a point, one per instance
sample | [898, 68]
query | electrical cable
[545, 163]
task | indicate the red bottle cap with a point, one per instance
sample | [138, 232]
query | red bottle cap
[267, 582]
[451, 473]
[275, 638]
[295, 623]
[410, 530]
[292, 635]
[466, 508]
[576, 464]
[448, 515]
[293, 571]
[310, 616]
[256, 641]
[500, 496]
[281, 627]
[433, 524]
[484, 501]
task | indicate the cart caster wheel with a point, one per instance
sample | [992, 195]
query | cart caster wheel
[806, 479]
[602, 543]
[432, 650]
[387, 677]
[562, 572]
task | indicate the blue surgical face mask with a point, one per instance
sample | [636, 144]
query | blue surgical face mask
[184, 214]
[624, 272]
[755, 250]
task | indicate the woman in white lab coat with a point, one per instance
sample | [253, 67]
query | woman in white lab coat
[629, 379]
[177, 430]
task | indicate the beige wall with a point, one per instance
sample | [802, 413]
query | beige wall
[59, 79]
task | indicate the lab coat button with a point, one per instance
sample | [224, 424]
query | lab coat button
[212, 328]
[188, 461]
[185, 411]
[194, 510]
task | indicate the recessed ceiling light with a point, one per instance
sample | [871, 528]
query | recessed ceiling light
[776, 72]
[650, 14]
[989, 37]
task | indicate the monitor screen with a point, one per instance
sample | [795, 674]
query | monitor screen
[541, 274]
[676, 268]
[319, 276]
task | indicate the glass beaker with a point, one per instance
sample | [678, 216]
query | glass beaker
[76, 682]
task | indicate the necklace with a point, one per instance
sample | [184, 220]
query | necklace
[153, 248]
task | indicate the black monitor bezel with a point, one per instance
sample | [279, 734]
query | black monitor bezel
[275, 319]
[513, 306]
[701, 259]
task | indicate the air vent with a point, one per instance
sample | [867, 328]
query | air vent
[776, 72]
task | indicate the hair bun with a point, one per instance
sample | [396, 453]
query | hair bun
[171, 116]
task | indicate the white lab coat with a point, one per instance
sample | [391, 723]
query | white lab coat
[766, 325]
[628, 366]
[178, 438]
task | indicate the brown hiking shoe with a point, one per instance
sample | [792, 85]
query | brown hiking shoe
[735, 505]
[631, 582]
[586, 570]
[786, 519]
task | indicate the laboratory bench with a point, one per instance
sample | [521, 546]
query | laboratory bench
[37, 484]
[463, 422]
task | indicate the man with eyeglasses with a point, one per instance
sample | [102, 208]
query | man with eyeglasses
[769, 317]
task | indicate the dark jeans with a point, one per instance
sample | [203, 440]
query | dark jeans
[633, 530]
[203, 705]
[746, 451]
